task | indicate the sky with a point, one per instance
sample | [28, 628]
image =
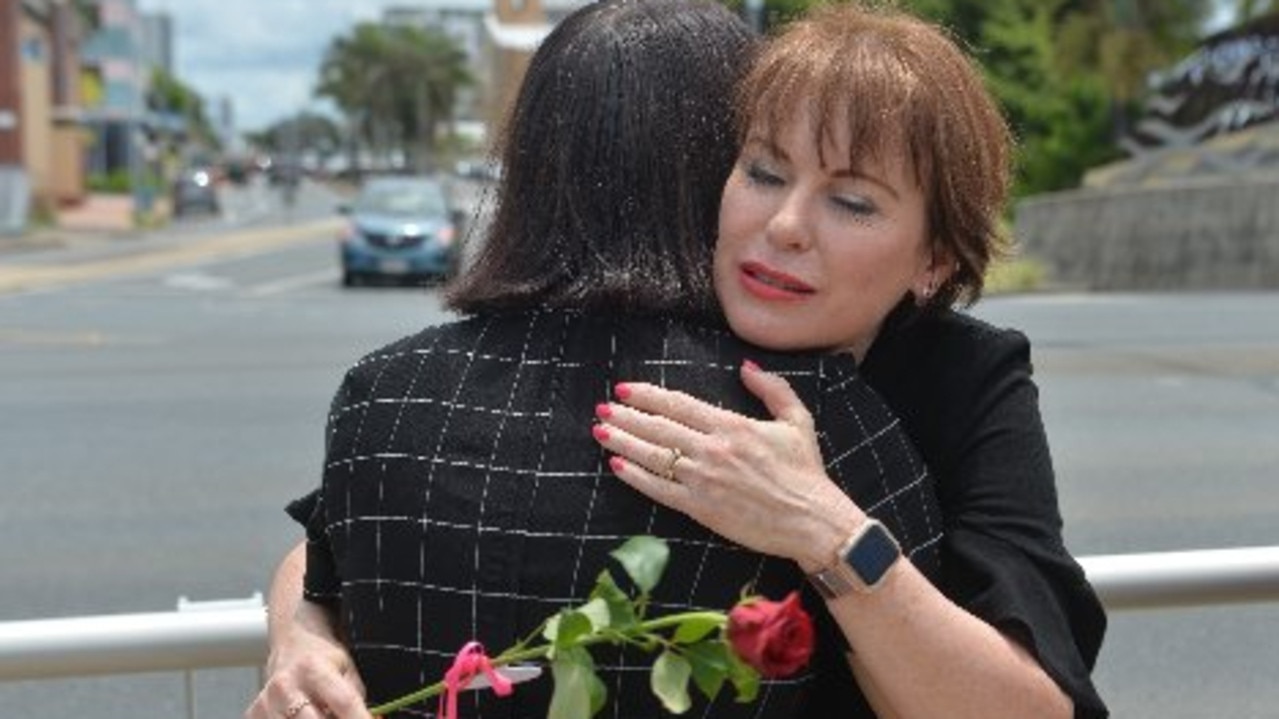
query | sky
[263, 54]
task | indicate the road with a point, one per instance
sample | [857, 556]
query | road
[157, 418]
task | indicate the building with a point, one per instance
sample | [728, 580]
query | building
[156, 38]
[40, 139]
[116, 82]
[515, 28]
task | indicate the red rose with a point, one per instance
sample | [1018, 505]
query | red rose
[776, 638]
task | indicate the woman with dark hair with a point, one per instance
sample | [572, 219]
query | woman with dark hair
[461, 498]
[864, 203]
[611, 179]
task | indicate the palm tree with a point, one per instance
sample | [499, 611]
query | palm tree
[396, 85]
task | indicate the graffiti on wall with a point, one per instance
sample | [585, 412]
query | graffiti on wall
[1229, 83]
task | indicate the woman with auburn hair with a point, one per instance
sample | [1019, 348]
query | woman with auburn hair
[460, 499]
[864, 205]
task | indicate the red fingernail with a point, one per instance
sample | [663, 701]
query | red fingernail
[603, 411]
[622, 390]
[600, 432]
[750, 366]
[617, 464]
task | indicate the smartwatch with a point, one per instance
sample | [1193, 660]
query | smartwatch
[862, 563]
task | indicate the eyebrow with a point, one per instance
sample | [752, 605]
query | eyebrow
[767, 144]
[853, 174]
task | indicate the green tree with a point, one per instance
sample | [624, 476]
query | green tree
[1069, 73]
[1123, 41]
[1245, 10]
[396, 86]
[169, 95]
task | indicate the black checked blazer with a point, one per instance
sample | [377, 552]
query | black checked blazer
[463, 496]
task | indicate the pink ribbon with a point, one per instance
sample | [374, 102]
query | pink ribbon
[470, 662]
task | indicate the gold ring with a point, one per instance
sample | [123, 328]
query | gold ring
[296, 707]
[668, 473]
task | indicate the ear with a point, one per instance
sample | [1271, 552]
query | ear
[934, 273]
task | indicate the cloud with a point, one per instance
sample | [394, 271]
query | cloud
[262, 57]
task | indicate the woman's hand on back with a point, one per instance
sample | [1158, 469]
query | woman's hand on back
[761, 484]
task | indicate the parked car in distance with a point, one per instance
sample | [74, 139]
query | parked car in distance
[399, 227]
[483, 170]
[194, 188]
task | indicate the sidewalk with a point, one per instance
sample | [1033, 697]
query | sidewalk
[57, 257]
[97, 240]
[98, 220]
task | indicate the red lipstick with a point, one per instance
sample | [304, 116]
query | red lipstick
[770, 284]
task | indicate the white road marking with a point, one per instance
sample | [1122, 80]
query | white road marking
[197, 281]
[288, 284]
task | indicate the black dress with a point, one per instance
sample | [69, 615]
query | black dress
[463, 497]
[963, 390]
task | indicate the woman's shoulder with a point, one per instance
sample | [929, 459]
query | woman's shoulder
[953, 347]
[955, 335]
[941, 370]
[458, 338]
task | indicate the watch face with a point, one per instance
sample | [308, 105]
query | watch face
[873, 554]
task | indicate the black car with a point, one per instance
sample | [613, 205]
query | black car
[195, 189]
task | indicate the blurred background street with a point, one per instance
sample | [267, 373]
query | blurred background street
[173, 316]
[156, 421]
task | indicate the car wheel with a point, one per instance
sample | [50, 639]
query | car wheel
[349, 279]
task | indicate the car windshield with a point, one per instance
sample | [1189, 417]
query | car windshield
[401, 200]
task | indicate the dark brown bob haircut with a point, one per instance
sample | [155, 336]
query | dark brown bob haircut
[899, 84]
[613, 160]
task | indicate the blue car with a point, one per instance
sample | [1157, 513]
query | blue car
[402, 228]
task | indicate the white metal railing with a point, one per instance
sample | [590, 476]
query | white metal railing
[1187, 578]
[233, 633]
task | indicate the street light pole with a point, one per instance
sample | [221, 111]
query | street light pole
[755, 14]
[135, 127]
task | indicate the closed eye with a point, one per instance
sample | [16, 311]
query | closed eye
[859, 206]
[760, 175]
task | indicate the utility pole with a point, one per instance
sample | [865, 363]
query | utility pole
[136, 122]
[755, 14]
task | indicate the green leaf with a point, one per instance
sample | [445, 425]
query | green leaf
[572, 625]
[695, 629]
[621, 610]
[599, 693]
[644, 559]
[552, 628]
[670, 682]
[597, 611]
[744, 678]
[710, 663]
[576, 686]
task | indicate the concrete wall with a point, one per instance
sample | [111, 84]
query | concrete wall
[1216, 234]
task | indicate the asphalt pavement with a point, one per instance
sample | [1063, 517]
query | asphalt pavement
[160, 413]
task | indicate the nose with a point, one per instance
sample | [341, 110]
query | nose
[788, 228]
